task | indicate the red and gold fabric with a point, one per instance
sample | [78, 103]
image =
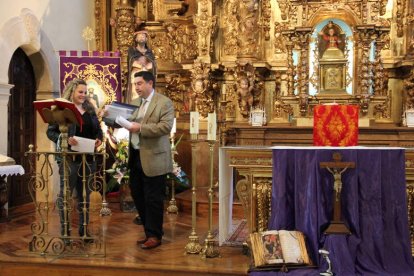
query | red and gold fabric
[335, 125]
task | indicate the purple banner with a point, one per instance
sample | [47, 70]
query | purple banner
[100, 70]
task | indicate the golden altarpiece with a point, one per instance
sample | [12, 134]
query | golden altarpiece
[283, 56]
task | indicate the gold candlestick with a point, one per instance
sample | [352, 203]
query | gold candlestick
[193, 246]
[105, 211]
[172, 207]
[209, 250]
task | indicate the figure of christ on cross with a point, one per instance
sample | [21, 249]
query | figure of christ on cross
[337, 168]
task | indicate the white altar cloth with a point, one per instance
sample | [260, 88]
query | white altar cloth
[11, 170]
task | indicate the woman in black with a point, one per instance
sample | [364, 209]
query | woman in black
[76, 92]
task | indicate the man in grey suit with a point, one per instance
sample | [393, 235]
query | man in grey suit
[150, 156]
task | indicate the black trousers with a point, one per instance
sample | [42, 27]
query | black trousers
[75, 181]
[148, 194]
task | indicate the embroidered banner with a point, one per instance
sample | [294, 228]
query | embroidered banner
[100, 70]
[335, 125]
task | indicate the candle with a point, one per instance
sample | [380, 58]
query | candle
[211, 126]
[194, 124]
[174, 128]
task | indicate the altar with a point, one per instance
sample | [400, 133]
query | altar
[374, 204]
[7, 167]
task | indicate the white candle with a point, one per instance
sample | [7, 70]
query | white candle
[174, 128]
[211, 126]
[194, 124]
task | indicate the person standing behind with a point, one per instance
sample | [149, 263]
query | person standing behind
[75, 91]
[150, 156]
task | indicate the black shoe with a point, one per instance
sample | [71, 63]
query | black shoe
[137, 220]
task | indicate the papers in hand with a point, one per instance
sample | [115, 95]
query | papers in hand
[84, 145]
[123, 122]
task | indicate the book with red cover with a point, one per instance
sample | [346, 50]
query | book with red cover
[61, 104]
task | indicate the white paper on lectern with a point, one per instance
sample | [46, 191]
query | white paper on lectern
[84, 145]
[123, 122]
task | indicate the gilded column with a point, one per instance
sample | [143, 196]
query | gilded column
[206, 26]
[399, 17]
[98, 23]
[124, 24]
[380, 77]
[290, 67]
[230, 28]
[303, 36]
[248, 39]
[364, 36]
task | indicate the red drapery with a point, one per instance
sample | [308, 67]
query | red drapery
[335, 125]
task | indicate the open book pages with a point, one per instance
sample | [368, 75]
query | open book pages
[279, 247]
[56, 110]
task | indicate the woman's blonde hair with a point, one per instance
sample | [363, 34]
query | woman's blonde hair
[71, 87]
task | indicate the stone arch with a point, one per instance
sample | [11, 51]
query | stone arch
[24, 31]
[345, 15]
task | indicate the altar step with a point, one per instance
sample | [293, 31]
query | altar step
[123, 256]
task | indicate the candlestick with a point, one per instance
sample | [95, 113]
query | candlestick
[194, 123]
[174, 128]
[210, 250]
[193, 246]
[211, 126]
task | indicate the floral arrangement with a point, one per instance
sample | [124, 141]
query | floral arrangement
[120, 173]
[178, 175]
[119, 170]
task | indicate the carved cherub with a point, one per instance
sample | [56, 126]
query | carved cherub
[174, 90]
[245, 95]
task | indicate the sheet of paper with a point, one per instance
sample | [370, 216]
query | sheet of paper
[123, 122]
[84, 145]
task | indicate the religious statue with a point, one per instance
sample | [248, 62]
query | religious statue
[140, 58]
[337, 168]
[248, 35]
[330, 39]
[337, 173]
[332, 60]
[93, 98]
[245, 95]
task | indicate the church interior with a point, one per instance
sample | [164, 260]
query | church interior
[255, 85]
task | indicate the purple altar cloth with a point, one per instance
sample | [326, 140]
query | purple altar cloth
[374, 207]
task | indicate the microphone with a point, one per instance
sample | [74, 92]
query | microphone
[325, 255]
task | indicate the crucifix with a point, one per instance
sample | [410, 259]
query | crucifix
[337, 168]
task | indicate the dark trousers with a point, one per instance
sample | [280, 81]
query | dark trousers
[75, 181]
[148, 194]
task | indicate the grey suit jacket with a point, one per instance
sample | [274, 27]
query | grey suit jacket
[154, 142]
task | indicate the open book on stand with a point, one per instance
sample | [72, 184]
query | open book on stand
[60, 103]
[277, 248]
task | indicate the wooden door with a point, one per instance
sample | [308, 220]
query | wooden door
[21, 122]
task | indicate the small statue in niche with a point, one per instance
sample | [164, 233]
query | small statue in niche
[245, 95]
[331, 39]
